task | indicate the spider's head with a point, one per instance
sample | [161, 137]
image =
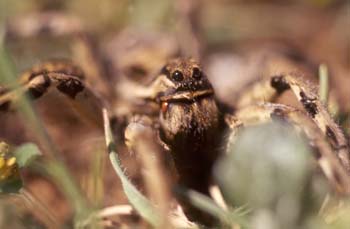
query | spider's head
[188, 108]
[186, 81]
[189, 116]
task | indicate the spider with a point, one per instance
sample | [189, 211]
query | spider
[179, 105]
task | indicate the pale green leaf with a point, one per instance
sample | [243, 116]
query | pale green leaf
[26, 153]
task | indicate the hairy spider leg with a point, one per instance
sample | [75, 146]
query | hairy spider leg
[270, 89]
[265, 112]
[66, 78]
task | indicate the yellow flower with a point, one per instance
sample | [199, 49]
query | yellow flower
[8, 163]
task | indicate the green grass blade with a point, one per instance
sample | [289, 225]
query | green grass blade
[142, 205]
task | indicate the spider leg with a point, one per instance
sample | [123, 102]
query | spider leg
[85, 51]
[114, 80]
[141, 138]
[308, 97]
[327, 160]
[66, 78]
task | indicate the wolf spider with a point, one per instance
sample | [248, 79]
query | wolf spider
[180, 107]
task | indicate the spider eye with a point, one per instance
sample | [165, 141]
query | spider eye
[196, 73]
[177, 76]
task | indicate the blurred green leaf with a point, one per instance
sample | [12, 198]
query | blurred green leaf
[268, 168]
[26, 153]
[270, 158]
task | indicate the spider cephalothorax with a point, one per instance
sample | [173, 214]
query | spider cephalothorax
[189, 117]
[187, 104]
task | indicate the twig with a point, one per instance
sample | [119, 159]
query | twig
[216, 194]
[176, 217]
[179, 220]
[324, 88]
[116, 210]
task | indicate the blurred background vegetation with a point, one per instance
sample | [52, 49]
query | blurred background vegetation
[236, 40]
